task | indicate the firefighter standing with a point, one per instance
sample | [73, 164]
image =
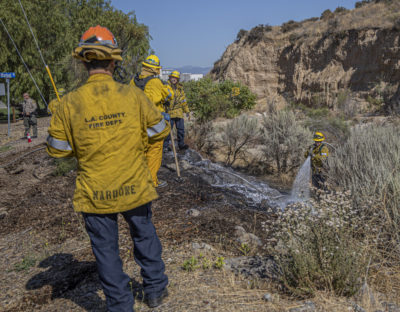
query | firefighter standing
[29, 108]
[107, 127]
[176, 110]
[160, 94]
[318, 152]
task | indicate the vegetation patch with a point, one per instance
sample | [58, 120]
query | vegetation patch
[209, 100]
[26, 263]
[65, 165]
[5, 148]
[289, 26]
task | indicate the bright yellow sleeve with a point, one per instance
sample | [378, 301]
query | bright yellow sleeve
[158, 93]
[53, 106]
[185, 106]
[156, 127]
[59, 139]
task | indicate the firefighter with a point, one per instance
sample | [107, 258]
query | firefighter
[107, 126]
[29, 108]
[176, 110]
[318, 152]
[160, 94]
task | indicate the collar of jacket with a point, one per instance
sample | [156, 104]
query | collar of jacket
[99, 77]
[175, 86]
[145, 76]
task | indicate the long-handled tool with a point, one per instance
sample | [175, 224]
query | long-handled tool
[178, 171]
[175, 155]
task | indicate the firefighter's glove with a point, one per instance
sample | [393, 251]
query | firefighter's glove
[167, 104]
[166, 116]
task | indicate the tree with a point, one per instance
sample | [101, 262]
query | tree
[58, 26]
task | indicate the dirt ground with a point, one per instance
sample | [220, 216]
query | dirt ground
[47, 263]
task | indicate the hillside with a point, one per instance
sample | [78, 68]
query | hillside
[345, 60]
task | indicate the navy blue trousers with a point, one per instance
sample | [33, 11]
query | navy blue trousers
[103, 233]
[180, 129]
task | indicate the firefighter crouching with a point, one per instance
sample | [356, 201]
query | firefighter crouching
[107, 126]
[319, 152]
[178, 106]
[160, 94]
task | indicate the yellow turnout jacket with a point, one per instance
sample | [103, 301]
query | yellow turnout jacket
[107, 127]
[319, 154]
[179, 105]
[157, 91]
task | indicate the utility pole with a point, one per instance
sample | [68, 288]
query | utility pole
[7, 76]
[8, 106]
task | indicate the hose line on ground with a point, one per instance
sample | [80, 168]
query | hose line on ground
[22, 156]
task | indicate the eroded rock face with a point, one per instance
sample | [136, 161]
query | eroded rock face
[315, 69]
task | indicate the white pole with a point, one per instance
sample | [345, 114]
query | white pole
[8, 106]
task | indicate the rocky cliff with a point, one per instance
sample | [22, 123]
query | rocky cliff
[345, 58]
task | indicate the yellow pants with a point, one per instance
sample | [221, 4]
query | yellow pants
[154, 159]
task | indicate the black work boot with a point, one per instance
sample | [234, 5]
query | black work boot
[183, 147]
[155, 302]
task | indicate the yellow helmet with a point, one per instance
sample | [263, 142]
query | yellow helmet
[97, 43]
[152, 61]
[319, 137]
[175, 74]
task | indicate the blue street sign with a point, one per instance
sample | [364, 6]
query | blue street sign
[7, 75]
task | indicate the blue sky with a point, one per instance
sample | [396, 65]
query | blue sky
[197, 32]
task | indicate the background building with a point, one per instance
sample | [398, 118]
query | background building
[184, 76]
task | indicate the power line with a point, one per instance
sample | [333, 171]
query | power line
[22, 59]
[34, 38]
[40, 52]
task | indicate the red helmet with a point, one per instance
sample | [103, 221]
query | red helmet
[98, 36]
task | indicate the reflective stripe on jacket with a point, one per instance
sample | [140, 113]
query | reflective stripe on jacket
[107, 126]
[179, 104]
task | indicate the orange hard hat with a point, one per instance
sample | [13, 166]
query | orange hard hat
[98, 36]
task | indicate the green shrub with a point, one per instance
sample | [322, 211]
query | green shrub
[65, 165]
[289, 26]
[238, 135]
[191, 264]
[368, 164]
[327, 14]
[257, 33]
[26, 263]
[322, 246]
[340, 10]
[284, 140]
[202, 136]
[337, 126]
[240, 34]
[209, 100]
[360, 4]
[317, 112]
